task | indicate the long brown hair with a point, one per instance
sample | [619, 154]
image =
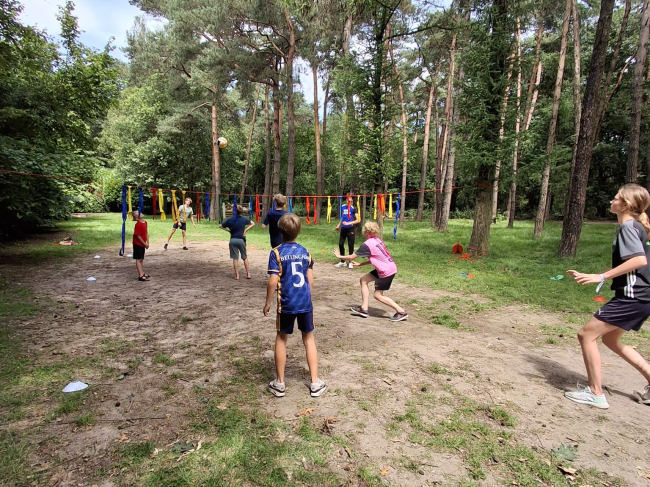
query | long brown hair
[637, 200]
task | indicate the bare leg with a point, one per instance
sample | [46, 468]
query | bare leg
[280, 355]
[588, 337]
[139, 267]
[170, 235]
[312, 354]
[365, 292]
[234, 264]
[184, 239]
[612, 340]
[248, 274]
[379, 296]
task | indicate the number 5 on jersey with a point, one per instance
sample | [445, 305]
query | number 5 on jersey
[296, 272]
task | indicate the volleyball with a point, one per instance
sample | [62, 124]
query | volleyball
[222, 142]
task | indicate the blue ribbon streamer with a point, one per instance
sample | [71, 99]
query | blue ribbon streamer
[207, 205]
[121, 253]
[340, 208]
[290, 205]
[140, 204]
[250, 207]
[234, 207]
[396, 217]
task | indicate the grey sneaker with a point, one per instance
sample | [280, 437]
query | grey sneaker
[317, 388]
[644, 397]
[277, 388]
[340, 264]
[587, 397]
[357, 310]
[399, 316]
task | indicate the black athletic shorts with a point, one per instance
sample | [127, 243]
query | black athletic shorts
[284, 322]
[625, 313]
[182, 225]
[382, 283]
[138, 252]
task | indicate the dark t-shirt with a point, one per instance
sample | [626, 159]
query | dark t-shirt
[631, 241]
[236, 228]
[272, 218]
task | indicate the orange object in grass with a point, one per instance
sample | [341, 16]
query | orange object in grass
[457, 248]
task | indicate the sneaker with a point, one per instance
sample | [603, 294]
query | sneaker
[317, 388]
[185, 248]
[356, 310]
[350, 266]
[277, 388]
[340, 264]
[587, 397]
[166, 246]
[644, 397]
[399, 316]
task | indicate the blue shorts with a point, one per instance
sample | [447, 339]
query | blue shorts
[182, 225]
[625, 313]
[284, 322]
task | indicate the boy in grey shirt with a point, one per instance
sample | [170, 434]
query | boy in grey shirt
[184, 212]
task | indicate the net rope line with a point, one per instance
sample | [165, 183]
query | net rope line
[64, 178]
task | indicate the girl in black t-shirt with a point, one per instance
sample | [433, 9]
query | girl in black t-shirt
[630, 306]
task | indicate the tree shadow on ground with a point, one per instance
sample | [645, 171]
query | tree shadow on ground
[564, 379]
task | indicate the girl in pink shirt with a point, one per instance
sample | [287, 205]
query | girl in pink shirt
[383, 274]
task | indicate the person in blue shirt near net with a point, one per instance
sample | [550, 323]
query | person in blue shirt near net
[348, 218]
[272, 218]
[291, 275]
[237, 245]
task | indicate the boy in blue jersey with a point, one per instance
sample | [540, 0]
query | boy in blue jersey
[291, 274]
[273, 217]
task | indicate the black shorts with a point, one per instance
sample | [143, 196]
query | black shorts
[182, 225]
[625, 313]
[138, 252]
[284, 322]
[382, 283]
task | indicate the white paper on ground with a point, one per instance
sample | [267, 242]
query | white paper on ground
[97, 257]
[129, 255]
[91, 279]
[75, 386]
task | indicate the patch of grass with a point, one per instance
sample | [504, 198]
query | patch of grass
[14, 466]
[186, 319]
[136, 452]
[115, 346]
[68, 403]
[169, 390]
[445, 319]
[439, 370]
[162, 358]
[16, 302]
[86, 419]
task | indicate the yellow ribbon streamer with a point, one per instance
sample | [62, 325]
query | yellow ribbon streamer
[128, 198]
[174, 207]
[358, 208]
[161, 204]
[375, 213]
[390, 206]
[329, 209]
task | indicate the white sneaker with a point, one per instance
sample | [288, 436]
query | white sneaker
[317, 388]
[277, 388]
[340, 264]
[350, 266]
[587, 397]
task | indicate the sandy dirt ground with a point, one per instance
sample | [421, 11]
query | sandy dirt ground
[193, 309]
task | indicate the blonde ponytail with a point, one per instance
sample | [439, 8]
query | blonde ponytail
[637, 200]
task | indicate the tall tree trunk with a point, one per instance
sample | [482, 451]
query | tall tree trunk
[603, 96]
[425, 147]
[497, 167]
[349, 99]
[325, 103]
[550, 141]
[451, 165]
[577, 79]
[291, 143]
[405, 142]
[277, 144]
[580, 170]
[267, 174]
[320, 179]
[515, 158]
[637, 99]
[479, 241]
[248, 145]
[216, 167]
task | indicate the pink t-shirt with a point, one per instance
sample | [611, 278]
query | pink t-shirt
[376, 251]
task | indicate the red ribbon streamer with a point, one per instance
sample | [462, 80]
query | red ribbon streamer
[382, 204]
[314, 210]
[308, 222]
[350, 208]
[153, 190]
[198, 206]
[257, 208]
